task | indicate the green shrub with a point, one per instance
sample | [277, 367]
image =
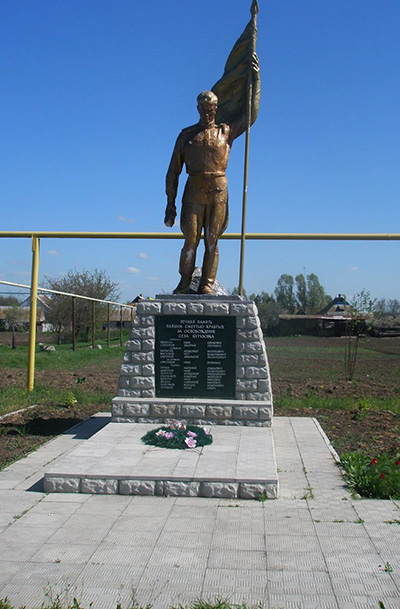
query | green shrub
[376, 478]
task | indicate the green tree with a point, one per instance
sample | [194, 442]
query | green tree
[284, 293]
[14, 319]
[310, 294]
[301, 293]
[94, 284]
[235, 292]
[317, 299]
[268, 312]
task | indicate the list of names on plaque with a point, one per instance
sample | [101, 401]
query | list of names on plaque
[195, 356]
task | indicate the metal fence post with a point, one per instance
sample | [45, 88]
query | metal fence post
[108, 324]
[93, 324]
[73, 324]
[33, 312]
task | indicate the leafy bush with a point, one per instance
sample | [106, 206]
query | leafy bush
[377, 478]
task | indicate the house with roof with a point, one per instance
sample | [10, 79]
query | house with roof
[330, 321]
[43, 308]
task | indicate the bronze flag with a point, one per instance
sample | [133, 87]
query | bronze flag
[232, 88]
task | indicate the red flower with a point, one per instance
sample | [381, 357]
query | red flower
[398, 462]
[374, 461]
[382, 475]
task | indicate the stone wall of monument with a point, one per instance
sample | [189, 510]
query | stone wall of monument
[252, 401]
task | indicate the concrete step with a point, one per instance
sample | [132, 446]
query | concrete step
[240, 463]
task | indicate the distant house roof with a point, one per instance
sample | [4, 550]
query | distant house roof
[337, 307]
[138, 298]
[42, 303]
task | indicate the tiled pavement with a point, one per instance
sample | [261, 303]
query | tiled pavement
[313, 548]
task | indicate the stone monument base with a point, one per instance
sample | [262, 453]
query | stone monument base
[194, 411]
[198, 358]
[240, 463]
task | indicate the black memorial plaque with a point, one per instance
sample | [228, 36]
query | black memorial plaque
[195, 356]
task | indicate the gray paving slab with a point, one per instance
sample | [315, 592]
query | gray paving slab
[314, 547]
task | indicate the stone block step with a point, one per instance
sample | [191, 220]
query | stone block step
[240, 463]
[194, 411]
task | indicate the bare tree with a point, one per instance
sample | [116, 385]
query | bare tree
[362, 310]
[392, 307]
[94, 284]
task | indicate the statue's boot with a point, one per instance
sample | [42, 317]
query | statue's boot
[183, 285]
[206, 289]
[186, 268]
[209, 272]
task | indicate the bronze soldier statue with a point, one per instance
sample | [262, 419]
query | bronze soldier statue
[204, 149]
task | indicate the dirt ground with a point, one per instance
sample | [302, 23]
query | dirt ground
[315, 378]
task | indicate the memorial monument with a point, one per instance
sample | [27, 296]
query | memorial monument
[201, 356]
[195, 356]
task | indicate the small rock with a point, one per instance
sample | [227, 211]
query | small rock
[47, 348]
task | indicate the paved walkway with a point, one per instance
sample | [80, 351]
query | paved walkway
[313, 548]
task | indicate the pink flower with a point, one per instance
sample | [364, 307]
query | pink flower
[160, 432]
[206, 431]
[192, 434]
[191, 442]
[177, 425]
[168, 435]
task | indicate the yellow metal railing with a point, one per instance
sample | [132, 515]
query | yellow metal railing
[37, 235]
[229, 236]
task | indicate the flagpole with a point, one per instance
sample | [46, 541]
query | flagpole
[254, 11]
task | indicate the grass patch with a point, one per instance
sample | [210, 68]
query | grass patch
[311, 348]
[64, 358]
[56, 603]
[376, 478]
[351, 403]
[15, 398]
[200, 604]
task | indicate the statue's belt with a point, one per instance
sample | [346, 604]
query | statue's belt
[207, 174]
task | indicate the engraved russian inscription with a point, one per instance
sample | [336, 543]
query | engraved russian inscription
[195, 356]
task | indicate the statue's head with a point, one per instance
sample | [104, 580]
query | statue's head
[207, 104]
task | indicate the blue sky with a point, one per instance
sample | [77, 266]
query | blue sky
[95, 92]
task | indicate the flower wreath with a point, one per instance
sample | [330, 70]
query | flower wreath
[178, 435]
